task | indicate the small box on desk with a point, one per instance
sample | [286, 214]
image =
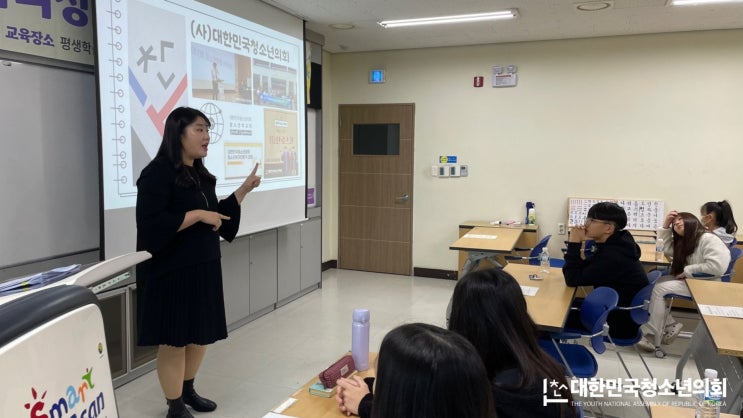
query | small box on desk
[318, 389]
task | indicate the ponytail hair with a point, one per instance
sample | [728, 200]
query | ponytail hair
[723, 215]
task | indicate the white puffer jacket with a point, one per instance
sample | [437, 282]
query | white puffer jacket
[711, 256]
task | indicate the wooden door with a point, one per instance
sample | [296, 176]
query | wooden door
[375, 225]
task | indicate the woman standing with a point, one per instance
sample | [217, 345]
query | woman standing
[179, 221]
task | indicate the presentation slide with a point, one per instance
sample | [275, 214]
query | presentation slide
[248, 79]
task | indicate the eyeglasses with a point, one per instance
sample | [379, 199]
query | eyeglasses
[591, 220]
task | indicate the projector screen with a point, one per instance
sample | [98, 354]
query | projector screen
[248, 79]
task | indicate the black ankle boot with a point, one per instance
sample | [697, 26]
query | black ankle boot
[192, 399]
[177, 409]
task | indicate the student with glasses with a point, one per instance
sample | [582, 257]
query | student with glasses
[694, 251]
[615, 263]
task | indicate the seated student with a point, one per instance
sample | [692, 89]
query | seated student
[717, 217]
[423, 371]
[615, 263]
[694, 251]
[489, 310]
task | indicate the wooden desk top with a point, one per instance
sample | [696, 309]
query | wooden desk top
[664, 411]
[481, 239]
[487, 224]
[647, 255]
[549, 307]
[316, 406]
[727, 333]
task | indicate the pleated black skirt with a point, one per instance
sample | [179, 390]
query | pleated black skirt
[182, 307]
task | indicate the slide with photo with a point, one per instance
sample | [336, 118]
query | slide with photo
[248, 79]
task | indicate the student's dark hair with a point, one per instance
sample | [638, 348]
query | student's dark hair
[429, 372]
[609, 211]
[489, 310]
[684, 246]
[723, 215]
[171, 148]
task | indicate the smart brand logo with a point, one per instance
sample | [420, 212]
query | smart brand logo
[72, 404]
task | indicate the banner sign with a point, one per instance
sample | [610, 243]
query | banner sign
[57, 29]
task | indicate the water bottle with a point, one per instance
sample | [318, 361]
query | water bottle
[532, 216]
[360, 339]
[544, 261]
[708, 403]
[659, 249]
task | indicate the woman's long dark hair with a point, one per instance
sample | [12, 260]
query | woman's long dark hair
[171, 149]
[723, 215]
[429, 372]
[684, 246]
[489, 310]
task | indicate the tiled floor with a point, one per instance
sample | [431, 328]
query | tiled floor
[263, 362]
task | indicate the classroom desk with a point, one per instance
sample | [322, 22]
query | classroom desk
[529, 238]
[664, 411]
[723, 335]
[550, 306]
[311, 406]
[483, 243]
[647, 255]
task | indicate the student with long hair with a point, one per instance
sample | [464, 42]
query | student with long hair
[718, 218]
[180, 301]
[489, 310]
[424, 371]
[694, 251]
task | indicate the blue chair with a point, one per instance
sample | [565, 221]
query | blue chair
[639, 310]
[533, 257]
[577, 359]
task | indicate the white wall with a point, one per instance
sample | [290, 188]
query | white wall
[655, 117]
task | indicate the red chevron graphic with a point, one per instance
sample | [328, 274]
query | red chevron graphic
[158, 117]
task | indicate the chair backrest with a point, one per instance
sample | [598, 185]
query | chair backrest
[534, 254]
[593, 313]
[642, 298]
[735, 254]
[653, 276]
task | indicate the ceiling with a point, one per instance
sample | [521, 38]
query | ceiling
[538, 20]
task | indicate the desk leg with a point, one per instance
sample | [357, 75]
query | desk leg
[696, 338]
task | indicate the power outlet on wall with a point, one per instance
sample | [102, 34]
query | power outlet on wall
[561, 228]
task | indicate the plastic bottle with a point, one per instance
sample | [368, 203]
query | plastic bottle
[532, 216]
[659, 249]
[708, 403]
[529, 206]
[544, 261]
[360, 339]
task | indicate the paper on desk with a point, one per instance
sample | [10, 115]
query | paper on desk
[529, 290]
[275, 415]
[481, 236]
[726, 311]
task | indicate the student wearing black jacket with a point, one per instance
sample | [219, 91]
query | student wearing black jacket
[615, 263]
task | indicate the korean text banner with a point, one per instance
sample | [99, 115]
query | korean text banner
[54, 29]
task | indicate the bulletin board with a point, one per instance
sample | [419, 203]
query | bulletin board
[643, 214]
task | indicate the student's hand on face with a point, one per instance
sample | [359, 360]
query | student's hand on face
[577, 234]
[669, 218]
[349, 394]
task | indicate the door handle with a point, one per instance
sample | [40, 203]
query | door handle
[402, 199]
